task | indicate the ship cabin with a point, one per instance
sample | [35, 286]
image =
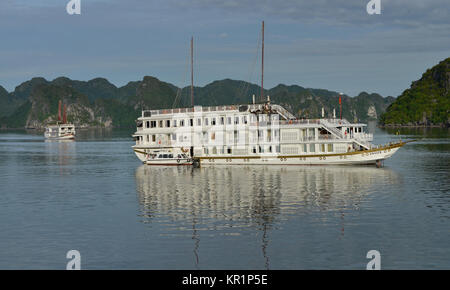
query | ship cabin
[245, 130]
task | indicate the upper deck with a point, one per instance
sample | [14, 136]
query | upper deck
[167, 112]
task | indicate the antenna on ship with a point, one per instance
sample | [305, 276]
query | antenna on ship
[262, 64]
[192, 71]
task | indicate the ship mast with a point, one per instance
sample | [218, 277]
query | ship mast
[192, 71]
[59, 111]
[262, 65]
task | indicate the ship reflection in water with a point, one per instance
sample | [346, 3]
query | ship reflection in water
[60, 152]
[235, 200]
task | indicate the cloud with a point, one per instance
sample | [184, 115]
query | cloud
[306, 40]
[337, 12]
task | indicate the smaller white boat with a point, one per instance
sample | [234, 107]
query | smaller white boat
[61, 130]
[165, 158]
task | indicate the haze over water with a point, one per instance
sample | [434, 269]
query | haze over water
[94, 196]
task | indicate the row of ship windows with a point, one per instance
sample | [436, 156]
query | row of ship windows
[306, 148]
[61, 128]
[212, 136]
[213, 121]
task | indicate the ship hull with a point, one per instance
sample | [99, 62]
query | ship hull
[169, 162]
[372, 156]
[68, 137]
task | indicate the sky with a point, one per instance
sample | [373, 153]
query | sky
[333, 44]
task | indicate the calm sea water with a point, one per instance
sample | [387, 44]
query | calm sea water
[94, 196]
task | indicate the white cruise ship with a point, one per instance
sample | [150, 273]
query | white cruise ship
[256, 133]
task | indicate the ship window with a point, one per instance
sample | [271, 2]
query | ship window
[168, 123]
[229, 150]
[160, 156]
[254, 150]
[229, 120]
[182, 123]
[153, 138]
[330, 147]
[174, 136]
[222, 120]
[148, 138]
[213, 122]
[322, 147]
[213, 136]
[277, 148]
[261, 134]
[206, 121]
[245, 119]
[303, 133]
[161, 124]
[147, 124]
[236, 136]
[214, 151]
[191, 122]
[170, 156]
[305, 148]
[270, 149]
[165, 156]
[174, 123]
[199, 122]
[236, 120]
[312, 147]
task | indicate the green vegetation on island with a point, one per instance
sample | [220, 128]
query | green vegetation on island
[97, 102]
[426, 103]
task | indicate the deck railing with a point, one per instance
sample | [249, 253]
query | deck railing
[149, 113]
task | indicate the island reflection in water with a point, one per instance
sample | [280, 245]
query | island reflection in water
[231, 200]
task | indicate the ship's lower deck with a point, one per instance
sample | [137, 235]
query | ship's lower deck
[372, 156]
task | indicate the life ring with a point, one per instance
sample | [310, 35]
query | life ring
[178, 160]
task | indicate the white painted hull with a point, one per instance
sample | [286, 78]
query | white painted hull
[168, 162]
[68, 137]
[351, 158]
[367, 158]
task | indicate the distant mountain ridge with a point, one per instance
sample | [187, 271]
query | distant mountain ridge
[97, 102]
